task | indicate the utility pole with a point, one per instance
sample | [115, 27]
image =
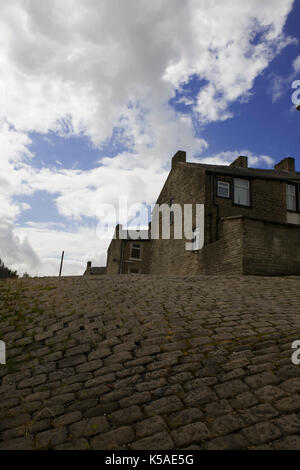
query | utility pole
[61, 263]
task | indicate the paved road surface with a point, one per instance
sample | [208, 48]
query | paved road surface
[146, 362]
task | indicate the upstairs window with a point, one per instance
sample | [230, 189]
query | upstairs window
[223, 189]
[291, 200]
[241, 192]
[135, 251]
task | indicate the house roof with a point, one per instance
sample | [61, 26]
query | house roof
[248, 172]
[136, 235]
[95, 270]
[100, 270]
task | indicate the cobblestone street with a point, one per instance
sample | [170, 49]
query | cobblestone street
[149, 362]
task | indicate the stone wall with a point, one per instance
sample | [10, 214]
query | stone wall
[270, 248]
[185, 185]
[113, 257]
[252, 246]
[246, 246]
[226, 254]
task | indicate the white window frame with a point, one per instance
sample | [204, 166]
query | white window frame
[226, 184]
[135, 248]
[241, 184]
[291, 197]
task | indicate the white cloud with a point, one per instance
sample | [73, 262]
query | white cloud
[226, 54]
[225, 158]
[282, 84]
[278, 87]
[49, 241]
[296, 64]
[16, 251]
[82, 62]
[85, 67]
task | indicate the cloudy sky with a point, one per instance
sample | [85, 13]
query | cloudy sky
[96, 96]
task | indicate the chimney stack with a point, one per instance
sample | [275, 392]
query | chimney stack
[118, 231]
[241, 162]
[179, 156]
[88, 267]
[120, 234]
[287, 164]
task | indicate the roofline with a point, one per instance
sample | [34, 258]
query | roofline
[259, 173]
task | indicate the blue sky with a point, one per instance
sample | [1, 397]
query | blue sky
[87, 118]
[260, 125]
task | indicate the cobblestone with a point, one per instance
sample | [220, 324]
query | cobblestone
[160, 441]
[150, 362]
[193, 433]
[150, 426]
[261, 433]
[113, 439]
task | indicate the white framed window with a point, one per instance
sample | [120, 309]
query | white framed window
[241, 192]
[291, 199]
[223, 189]
[135, 251]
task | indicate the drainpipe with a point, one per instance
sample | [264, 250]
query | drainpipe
[210, 215]
[121, 257]
[214, 189]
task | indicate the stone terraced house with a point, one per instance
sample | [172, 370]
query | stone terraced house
[251, 223]
[91, 270]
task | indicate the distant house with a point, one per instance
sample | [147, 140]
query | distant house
[251, 223]
[128, 255]
[96, 270]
